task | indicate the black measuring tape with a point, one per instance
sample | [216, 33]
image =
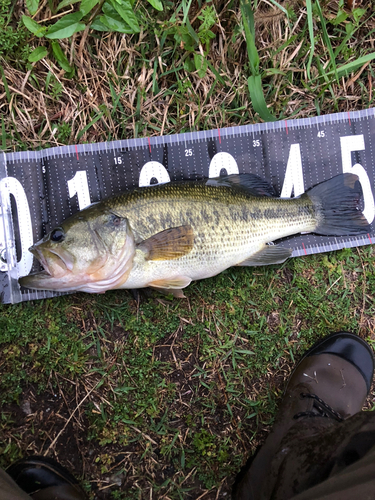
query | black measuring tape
[39, 189]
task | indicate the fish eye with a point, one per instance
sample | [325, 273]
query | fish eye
[116, 220]
[58, 235]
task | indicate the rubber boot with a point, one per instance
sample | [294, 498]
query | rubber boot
[329, 384]
[45, 479]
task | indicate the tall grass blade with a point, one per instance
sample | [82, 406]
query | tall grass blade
[327, 41]
[257, 98]
[89, 125]
[248, 22]
[283, 9]
[312, 39]
[5, 83]
[254, 81]
[345, 69]
[3, 135]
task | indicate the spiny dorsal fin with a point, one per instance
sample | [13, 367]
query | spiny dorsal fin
[169, 244]
[251, 183]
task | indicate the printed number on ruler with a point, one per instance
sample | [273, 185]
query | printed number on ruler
[293, 180]
[349, 144]
[11, 186]
[222, 161]
[79, 186]
[155, 170]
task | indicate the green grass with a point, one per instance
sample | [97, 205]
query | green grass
[162, 398]
[187, 387]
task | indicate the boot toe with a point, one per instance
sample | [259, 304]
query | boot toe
[349, 347]
[38, 475]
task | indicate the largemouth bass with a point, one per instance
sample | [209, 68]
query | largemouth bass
[167, 235]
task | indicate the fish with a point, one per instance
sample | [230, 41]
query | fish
[167, 235]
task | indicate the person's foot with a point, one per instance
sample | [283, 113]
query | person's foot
[43, 478]
[332, 380]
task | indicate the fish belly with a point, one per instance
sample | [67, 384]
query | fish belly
[200, 263]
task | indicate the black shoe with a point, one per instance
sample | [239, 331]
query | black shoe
[332, 380]
[43, 478]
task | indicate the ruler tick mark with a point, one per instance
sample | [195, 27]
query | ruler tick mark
[149, 144]
[369, 237]
[304, 249]
[286, 126]
[76, 151]
[219, 135]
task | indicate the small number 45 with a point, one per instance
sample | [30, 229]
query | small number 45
[321, 133]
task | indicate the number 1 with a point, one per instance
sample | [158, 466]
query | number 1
[79, 185]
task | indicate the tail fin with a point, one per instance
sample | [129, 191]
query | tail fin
[336, 202]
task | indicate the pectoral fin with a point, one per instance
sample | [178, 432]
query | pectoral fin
[272, 254]
[169, 244]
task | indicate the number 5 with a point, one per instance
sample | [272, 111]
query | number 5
[349, 144]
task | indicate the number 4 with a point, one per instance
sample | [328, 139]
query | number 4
[293, 181]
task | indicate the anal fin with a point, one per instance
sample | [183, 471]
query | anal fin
[270, 254]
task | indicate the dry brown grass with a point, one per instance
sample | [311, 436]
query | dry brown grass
[115, 59]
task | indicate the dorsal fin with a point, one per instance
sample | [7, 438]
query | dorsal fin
[251, 183]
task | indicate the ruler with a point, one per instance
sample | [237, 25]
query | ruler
[39, 189]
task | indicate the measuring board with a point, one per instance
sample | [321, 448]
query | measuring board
[39, 189]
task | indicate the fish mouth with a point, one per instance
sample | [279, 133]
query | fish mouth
[40, 281]
[55, 263]
[57, 271]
